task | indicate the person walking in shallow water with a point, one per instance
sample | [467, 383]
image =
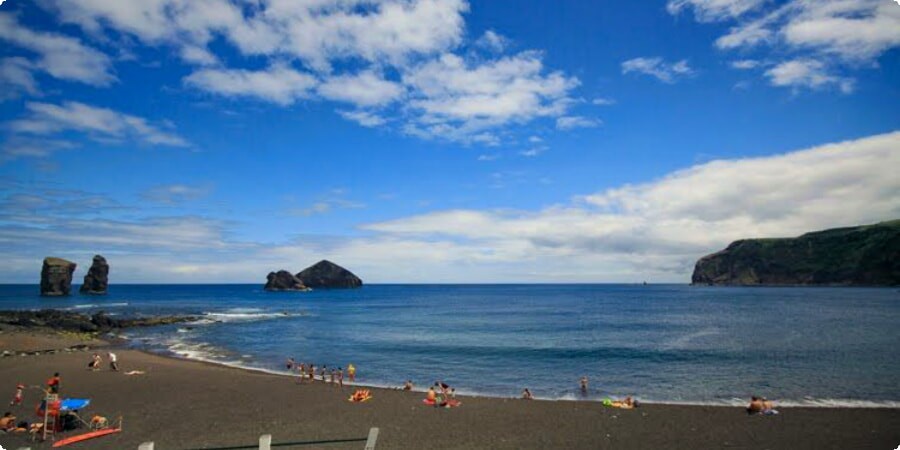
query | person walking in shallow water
[584, 385]
[351, 372]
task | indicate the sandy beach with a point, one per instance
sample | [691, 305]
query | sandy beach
[182, 404]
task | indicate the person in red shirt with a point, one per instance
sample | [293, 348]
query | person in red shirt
[17, 400]
[53, 384]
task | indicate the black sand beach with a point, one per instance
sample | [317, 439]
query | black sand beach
[182, 404]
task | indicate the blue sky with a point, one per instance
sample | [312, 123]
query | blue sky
[438, 140]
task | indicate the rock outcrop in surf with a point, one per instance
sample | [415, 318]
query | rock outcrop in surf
[76, 322]
[56, 276]
[284, 281]
[96, 280]
[326, 274]
[866, 255]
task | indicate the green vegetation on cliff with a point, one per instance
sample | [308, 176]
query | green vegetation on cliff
[866, 255]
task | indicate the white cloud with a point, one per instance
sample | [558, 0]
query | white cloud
[656, 67]
[714, 10]
[60, 56]
[278, 83]
[806, 73]
[461, 99]
[97, 123]
[364, 118]
[600, 101]
[171, 194]
[315, 32]
[534, 151]
[840, 34]
[488, 157]
[15, 76]
[492, 41]
[745, 64]
[363, 89]
[572, 122]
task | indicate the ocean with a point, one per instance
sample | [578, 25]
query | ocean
[658, 343]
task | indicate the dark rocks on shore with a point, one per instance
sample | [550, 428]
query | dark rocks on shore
[56, 276]
[855, 256]
[284, 281]
[72, 321]
[96, 280]
[326, 274]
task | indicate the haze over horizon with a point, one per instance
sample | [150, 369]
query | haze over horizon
[430, 141]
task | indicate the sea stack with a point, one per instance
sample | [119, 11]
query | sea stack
[326, 274]
[97, 279]
[284, 281]
[866, 255]
[56, 277]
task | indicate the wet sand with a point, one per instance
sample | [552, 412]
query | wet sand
[182, 404]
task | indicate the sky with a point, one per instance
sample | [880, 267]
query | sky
[438, 141]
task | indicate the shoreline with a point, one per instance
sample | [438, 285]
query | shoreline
[181, 403]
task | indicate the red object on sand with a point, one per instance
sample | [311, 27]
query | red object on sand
[85, 436]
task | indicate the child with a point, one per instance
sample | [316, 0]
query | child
[53, 384]
[17, 400]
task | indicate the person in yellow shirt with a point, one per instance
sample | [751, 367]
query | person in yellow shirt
[351, 372]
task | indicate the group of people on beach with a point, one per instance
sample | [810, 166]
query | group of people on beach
[310, 372]
[440, 395]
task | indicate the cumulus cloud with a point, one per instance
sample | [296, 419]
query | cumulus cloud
[462, 98]
[363, 89]
[364, 118]
[843, 34]
[492, 41]
[745, 64]
[15, 76]
[601, 101]
[806, 73]
[656, 67]
[62, 57]
[278, 83]
[572, 122]
[99, 124]
[714, 10]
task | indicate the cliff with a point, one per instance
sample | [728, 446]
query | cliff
[326, 274]
[866, 255]
[283, 281]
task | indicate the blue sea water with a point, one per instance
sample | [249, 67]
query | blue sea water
[662, 343]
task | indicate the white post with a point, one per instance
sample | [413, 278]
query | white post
[265, 442]
[373, 436]
[146, 446]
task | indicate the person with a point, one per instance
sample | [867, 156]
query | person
[408, 386]
[301, 371]
[431, 395]
[312, 373]
[760, 405]
[351, 372]
[95, 362]
[17, 399]
[340, 377]
[584, 384]
[53, 384]
[8, 422]
[323, 372]
[527, 395]
[113, 361]
[333, 375]
[290, 364]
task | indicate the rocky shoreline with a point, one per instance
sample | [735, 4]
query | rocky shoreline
[69, 321]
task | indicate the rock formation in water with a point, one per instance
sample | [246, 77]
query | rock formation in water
[284, 281]
[56, 276]
[856, 256]
[326, 274]
[97, 279]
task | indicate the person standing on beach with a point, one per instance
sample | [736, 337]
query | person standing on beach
[53, 384]
[290, 364]
[333, 375]
[312, 373]
[323, 372]
[584, 384]
[17, 400]
[113, 362]
[340, 375]
[351, 372]
[301, 371]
